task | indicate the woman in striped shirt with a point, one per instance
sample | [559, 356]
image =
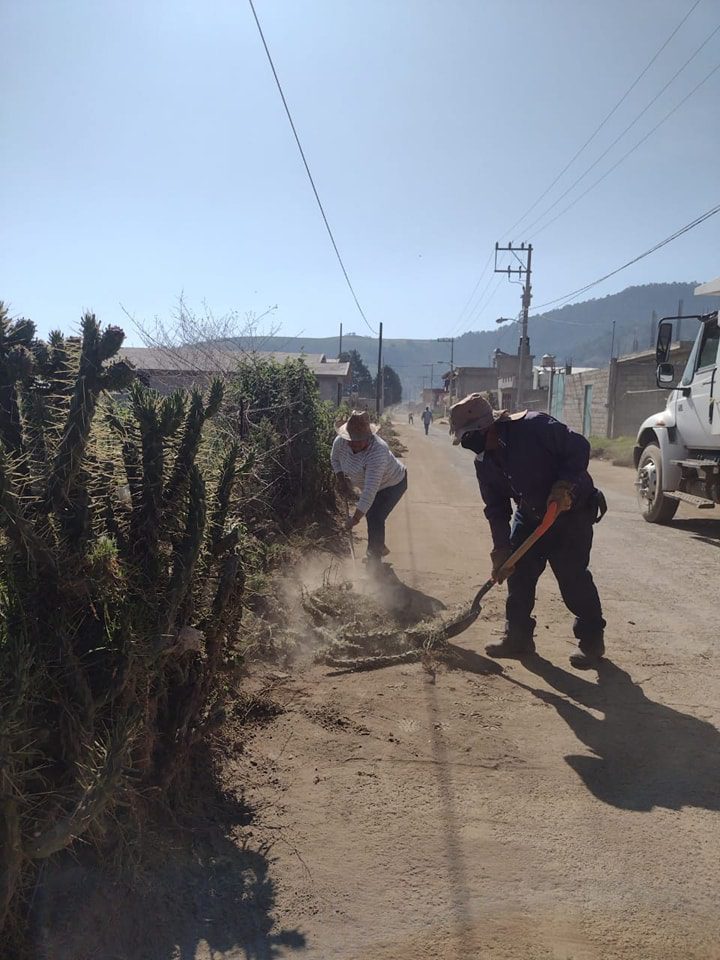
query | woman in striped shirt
[361, 458]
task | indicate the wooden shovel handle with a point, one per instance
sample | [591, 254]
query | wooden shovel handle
[547, 521]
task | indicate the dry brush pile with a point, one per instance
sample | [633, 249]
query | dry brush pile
[129, 524]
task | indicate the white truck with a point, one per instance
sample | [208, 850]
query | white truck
[677, 453]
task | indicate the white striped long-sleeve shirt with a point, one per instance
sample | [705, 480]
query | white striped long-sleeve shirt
[372, 469]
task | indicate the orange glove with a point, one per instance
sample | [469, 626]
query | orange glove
[561, 494]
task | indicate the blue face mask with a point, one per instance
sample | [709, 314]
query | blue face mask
[475, 441]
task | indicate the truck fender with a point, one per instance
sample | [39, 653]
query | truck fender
[660, 430]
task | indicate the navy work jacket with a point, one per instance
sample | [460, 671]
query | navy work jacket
[534, 453]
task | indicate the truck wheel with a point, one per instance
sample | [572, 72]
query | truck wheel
[654, 507]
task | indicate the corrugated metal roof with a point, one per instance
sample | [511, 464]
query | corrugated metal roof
[210, 359]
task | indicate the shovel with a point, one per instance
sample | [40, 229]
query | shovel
[351, 539]
[465, 620]
[454, 627]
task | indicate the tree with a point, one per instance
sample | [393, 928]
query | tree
[392, 387]
[362, 381]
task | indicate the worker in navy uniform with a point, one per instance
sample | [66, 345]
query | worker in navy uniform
[532, 460]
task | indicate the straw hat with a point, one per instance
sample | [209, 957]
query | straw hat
[357, 426]
[474, 412]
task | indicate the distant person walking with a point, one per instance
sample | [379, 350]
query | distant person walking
[427, 419]
[362, 458]
[410, 417]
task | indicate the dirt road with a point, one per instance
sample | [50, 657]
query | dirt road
[536, 813]
[527, 813]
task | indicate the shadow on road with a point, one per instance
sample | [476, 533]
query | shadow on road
[403, 602]
[705, 530]
[646, 755]
[460, 658]
[205, 895]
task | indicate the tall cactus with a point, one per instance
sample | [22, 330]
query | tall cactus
[106, 586]
[198, 414]
[16, 366]
[93, 377]
[158, 419]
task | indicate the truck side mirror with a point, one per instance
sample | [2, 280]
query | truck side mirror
[664, 340]
[665, 376]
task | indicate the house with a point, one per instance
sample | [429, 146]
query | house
[167, 368]
[460, 381]
[435, 398]
[500, 380]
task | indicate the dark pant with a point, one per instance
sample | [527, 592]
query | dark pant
[566, 547]
[384, 502]
[427, 426]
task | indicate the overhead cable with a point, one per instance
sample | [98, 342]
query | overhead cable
[674, 236]
[630, 126]
[607, 117]
[624, 157]
[307, 170]
[466, 318]
[474, 291]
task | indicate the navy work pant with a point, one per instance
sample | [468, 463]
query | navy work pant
[566, 547]
[384, 502]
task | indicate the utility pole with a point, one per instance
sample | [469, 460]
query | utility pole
[612, 342]
[432, 377]
[339, 388]
[451, 341]
[379, 382]
[524, 269]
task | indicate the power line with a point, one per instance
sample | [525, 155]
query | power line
[624, 157]
[674, 236]
[484, 304]
[466, 318]
[474, 291]
[307, 170]
[580, 150]
[602, 123]
[629, 127]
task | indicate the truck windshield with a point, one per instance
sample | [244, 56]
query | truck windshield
[704, 352]
[709, 348]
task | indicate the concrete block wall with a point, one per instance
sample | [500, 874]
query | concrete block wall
[636, 395]
[573, 407]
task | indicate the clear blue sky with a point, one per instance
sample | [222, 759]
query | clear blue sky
[145, 152]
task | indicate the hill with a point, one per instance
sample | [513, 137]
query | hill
[579, 332]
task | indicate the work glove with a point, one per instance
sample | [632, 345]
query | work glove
[351, 522]
[561, 494]
[498, 558]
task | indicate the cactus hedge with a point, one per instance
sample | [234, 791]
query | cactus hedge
[121, 585]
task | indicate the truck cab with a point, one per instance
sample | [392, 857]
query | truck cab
[677, 452]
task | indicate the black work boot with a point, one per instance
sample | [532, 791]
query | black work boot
[589, 656]
[511, 648]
